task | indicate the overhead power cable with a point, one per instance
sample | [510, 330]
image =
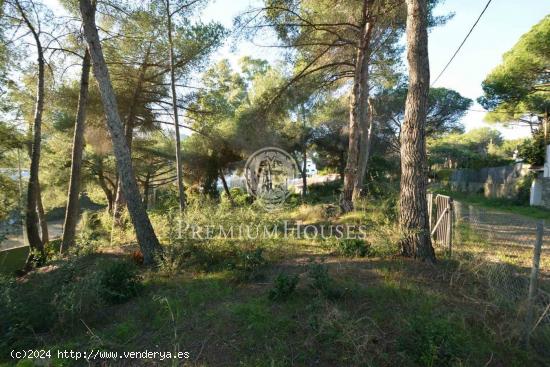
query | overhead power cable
[462, 44]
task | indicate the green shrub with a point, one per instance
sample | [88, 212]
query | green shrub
[52, 248]
[37, 259]
[523, 187]
[174, 257]
[240, 196]
[92, 231]
[533, 150]
[204, 256]
[389, 208]
[251, 263]
[77, 299]
[322, 283]
[60, 298]
[433, 341]
[26, 308]
[353, 248]
[283, 287]
[326, 190]
[443, 174]
[14, 327]
[118, 282]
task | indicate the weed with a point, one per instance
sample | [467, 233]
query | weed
[283, 287]
[51, 249]
[90, 234]
[77, 298]
[353, 248]
[173, 258]
[433, 341]
[251, 263]
[322, 283]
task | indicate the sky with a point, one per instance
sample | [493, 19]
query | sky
[498, 30]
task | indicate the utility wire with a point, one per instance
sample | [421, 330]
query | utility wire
[462, 44]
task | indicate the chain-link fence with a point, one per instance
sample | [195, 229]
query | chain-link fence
[510, 253]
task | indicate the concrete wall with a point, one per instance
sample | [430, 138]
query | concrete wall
[535, 197]
[493, 182]
[545, 192]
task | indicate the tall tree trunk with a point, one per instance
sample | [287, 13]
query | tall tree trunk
[364, 152]
[44, 236]
[304, 152]
[71, 212]
[304, 172]
[413, 214]
[357, 121]
[120, 202]
[31, 221]
[108, 192]
[179, 168]
[147, 239]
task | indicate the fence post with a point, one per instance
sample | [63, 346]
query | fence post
[429, 197]
[533, 286]
[450, 227]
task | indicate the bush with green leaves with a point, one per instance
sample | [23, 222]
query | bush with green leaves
[78, 298]
[92, 232]
[69, 292]
[523, 187]
[29, 307]
[389, 208]
[326, 189]
[353, 247]
[322, 283]
[251, 263]
[434, 341]
[283, 287]
[118, 282]
[51, 249]
[173, 258]
[533, 150]
[240, 196]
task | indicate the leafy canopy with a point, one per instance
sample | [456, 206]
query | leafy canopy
[521, 84]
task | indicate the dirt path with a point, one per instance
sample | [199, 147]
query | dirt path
[500, 227]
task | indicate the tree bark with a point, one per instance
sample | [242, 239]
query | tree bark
[304, 172]
[147, 239]
[364, 152]
[179, 168]
[43, 224]
[71, 212]
[413, 215]
[304, 152]
[358, 105]
[31, 220]
[120, 202]
[107, 191]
